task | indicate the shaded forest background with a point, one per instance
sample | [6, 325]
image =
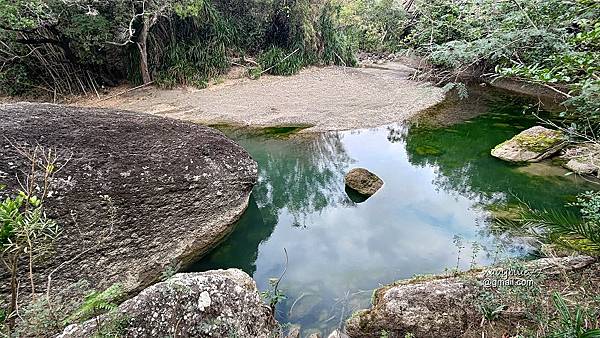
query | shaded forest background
[59, 48]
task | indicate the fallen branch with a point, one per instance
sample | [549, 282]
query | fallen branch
[280, 61]
[126, 91]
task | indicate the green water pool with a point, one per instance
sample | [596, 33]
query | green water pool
[440, 182]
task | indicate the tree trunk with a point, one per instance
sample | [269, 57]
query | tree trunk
[142, 46]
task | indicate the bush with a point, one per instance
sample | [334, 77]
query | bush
[302, 34]
[375, 25]
[337, 48]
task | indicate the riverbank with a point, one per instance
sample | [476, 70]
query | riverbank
[518, 299]
[323, 99]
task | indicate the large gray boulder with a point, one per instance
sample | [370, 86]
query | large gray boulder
[221, 303]
[449, 306]
[140, 194]
[531, 145]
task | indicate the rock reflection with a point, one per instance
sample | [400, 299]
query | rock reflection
[299, 175]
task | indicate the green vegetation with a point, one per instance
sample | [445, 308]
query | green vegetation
[553, 43]
[26, 234]
[98, 302]
[49, 314]
[572, 322]
[575, 230]
[59, 48]
[273, 295]
[375, 25]
[544, 311]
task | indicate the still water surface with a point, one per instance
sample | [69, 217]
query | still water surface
[439, 183]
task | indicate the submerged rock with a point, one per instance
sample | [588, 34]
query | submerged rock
[442, 306]
[363, 181]
[140, 194]
[221, 303]
[531, 145]
[542, 169]
[583, 159]
[581, 167]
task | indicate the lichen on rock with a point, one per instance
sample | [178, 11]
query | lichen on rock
[219, 303]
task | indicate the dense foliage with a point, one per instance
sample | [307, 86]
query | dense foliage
[554, 43]
[60, 48]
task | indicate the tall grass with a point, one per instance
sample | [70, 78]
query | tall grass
[192, 49]
[302, 34]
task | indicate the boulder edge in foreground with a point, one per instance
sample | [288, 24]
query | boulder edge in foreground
[218, 303]
[139, 196]
[447, 306]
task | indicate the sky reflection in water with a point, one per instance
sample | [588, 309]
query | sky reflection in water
[436, 186]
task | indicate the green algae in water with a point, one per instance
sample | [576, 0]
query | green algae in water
[340, 250]
[426, 150]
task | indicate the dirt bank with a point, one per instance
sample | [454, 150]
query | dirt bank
[331, 98]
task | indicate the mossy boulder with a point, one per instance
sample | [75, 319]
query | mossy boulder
[363, 182]
[531, 145]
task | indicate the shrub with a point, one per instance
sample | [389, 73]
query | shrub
[375, 25]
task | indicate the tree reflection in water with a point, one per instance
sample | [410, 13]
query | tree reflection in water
[461, 155]
[302, 175]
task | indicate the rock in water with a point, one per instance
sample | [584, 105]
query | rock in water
[363, 181]
[174, 190]
[531, 145]
[583, 159]
[294, 332]
[221, 303]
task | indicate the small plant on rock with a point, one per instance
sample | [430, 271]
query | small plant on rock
[26, 233]
[576, 323]
[97, 303]
[273, 295]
